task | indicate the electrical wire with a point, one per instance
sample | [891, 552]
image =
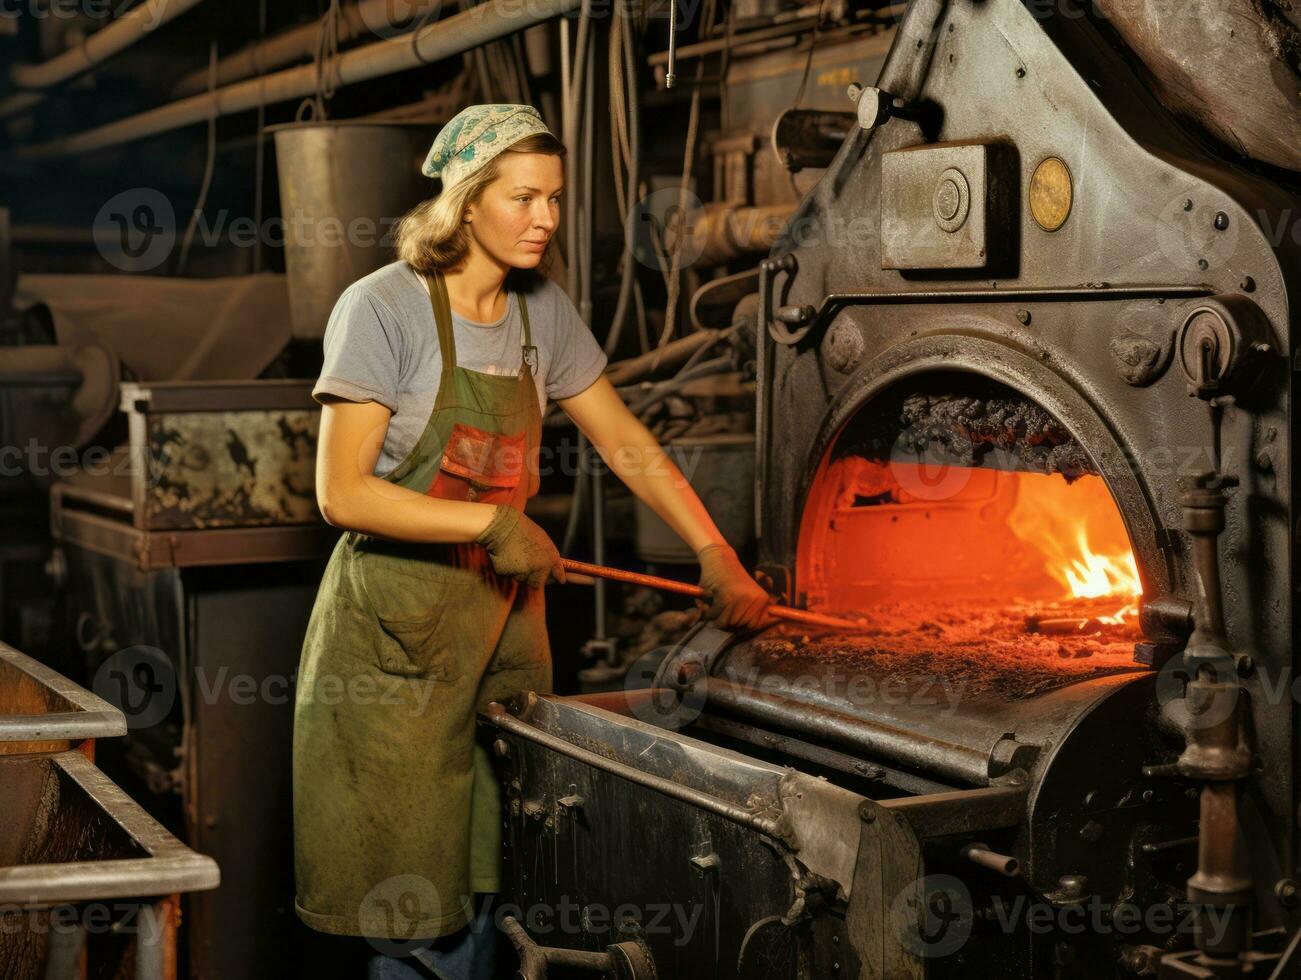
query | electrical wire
[259, 166]
[626, 146]
[693, 122]
[325, 64]
[808, 63]
[208, 167]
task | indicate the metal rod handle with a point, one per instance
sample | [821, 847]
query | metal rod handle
[686, 588]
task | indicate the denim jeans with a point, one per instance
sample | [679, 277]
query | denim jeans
[470, 954]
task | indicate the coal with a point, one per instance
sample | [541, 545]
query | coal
[965, 421]
[982, 649]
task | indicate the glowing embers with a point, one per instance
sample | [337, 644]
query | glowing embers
[1003, 566]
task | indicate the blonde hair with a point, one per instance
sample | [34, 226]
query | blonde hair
[432, 236]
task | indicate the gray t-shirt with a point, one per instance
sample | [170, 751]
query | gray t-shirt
[381, 344]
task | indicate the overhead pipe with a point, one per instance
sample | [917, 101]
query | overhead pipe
[94, 50]
[468, 29]
[300, 42]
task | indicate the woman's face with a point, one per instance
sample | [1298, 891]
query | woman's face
[520, 210]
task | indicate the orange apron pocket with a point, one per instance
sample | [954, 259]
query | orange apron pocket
[479, 466]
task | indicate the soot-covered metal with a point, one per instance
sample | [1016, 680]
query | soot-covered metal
[1044, 459]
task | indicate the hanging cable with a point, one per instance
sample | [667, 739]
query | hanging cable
[208, 168]
[624, 99]
[259, 166]
[325, 64]
[808, 63]
[679, 233]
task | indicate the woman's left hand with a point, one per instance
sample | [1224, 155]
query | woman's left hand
[737, 600]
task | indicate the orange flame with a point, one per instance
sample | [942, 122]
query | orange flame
[1084, 542]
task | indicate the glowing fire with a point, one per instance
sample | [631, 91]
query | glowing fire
[1084, 542]
[1092, 576]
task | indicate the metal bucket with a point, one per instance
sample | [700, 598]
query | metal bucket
[343, 186]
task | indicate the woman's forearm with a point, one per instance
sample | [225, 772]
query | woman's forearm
[377, 507]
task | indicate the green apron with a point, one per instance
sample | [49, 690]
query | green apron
[397, 819]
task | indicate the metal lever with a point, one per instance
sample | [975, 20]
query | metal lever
[876, 106]
[627, 960]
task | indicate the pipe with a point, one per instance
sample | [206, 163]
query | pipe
[300, 42]
[99, 47]
[671, 356]
[775, 828]
[468, 29]
[724, 232]
[934, 755]
[1003, 864]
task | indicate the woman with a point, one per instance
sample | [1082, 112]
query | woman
[437, 368]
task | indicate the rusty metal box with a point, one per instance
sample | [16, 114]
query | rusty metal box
[935, 207]
[213, 454]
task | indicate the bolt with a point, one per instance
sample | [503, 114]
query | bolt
[1221, 221]
[865, 813]
[1020, 73]
[1148, 796]
[1091, 832]
[1188, 204]
[854, 91]
[501, 748]
[1287, 893]
[1023, 316]
[1246, 665]
[1203, 264]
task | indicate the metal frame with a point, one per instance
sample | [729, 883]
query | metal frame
[88, 716]
[170, 867]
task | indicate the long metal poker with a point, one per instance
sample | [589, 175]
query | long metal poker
[685, 588]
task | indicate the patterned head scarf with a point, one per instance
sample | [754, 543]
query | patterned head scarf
[477, 134]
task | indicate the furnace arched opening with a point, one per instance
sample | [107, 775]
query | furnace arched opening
[953, 513]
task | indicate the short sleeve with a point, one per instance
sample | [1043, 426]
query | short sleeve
[578, 359]
[363, 351]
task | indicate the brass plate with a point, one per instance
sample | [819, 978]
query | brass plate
[1050, 193]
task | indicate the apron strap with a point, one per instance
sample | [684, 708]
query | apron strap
[442, 306]
[530, 352]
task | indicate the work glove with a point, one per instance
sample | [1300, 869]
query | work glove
[736, 599]
[519, 549]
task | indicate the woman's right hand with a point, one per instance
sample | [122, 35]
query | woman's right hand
[519, 549]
